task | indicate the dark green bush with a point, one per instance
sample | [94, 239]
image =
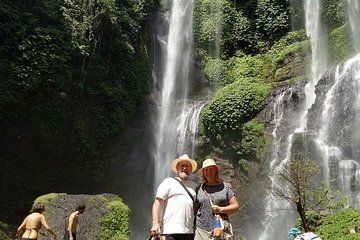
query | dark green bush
[232, 106]
[246, 68]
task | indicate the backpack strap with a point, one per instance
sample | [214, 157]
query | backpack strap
[182, 184]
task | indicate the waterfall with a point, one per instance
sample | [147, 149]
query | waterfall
[278, 217]
[319, 59]
[173, 87]
[187, 128]
[273, 204]
[174, 117]
[354, 20]
[337, 141]
[216, 9]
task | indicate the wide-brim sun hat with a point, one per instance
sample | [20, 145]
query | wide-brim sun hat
[184, 157]
[207, 163]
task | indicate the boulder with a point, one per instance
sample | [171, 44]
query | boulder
[105, 216]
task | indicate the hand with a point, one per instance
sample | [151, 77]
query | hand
[155, 230]
[215, 209]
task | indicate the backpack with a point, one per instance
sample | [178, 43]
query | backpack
[310, 236]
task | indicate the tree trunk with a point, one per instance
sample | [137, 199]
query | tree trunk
[300, 209]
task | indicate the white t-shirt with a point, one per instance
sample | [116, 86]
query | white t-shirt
[178, 213]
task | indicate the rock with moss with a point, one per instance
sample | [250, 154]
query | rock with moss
[106, 216]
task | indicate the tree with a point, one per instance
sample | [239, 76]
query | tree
[272, 20]
[299, 175]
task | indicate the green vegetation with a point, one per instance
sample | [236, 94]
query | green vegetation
[226, 128]
[45, 199]
[272, 20]
[6, 231]
[248, 27]
[334, 13]
[313, 219]
[291, 45]
[72, 74]
[232, 106]
[246, 69]
[214, 69]
[337, 226]
[218, 25]
[340, 44]
[299, 174]
[115, 225]
[254, 144]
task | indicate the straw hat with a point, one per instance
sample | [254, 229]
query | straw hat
[207, 163]
[184, 157]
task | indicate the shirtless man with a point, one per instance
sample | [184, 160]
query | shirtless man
[29, 229]
[73, 221]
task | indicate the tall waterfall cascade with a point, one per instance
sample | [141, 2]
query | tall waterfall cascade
[176, 117]
[336, 140]
[329, 115]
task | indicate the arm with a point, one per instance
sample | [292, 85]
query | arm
[21, 229]
[47, 227]
[232, 208]
[155, 229]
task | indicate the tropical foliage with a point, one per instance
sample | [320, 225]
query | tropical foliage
[338, 226]
[115, 225]
[72, 74]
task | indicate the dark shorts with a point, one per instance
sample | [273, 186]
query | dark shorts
[67, 235]
[179, 236]
[28, 238]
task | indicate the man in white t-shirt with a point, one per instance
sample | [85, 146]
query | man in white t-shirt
[177, 222]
